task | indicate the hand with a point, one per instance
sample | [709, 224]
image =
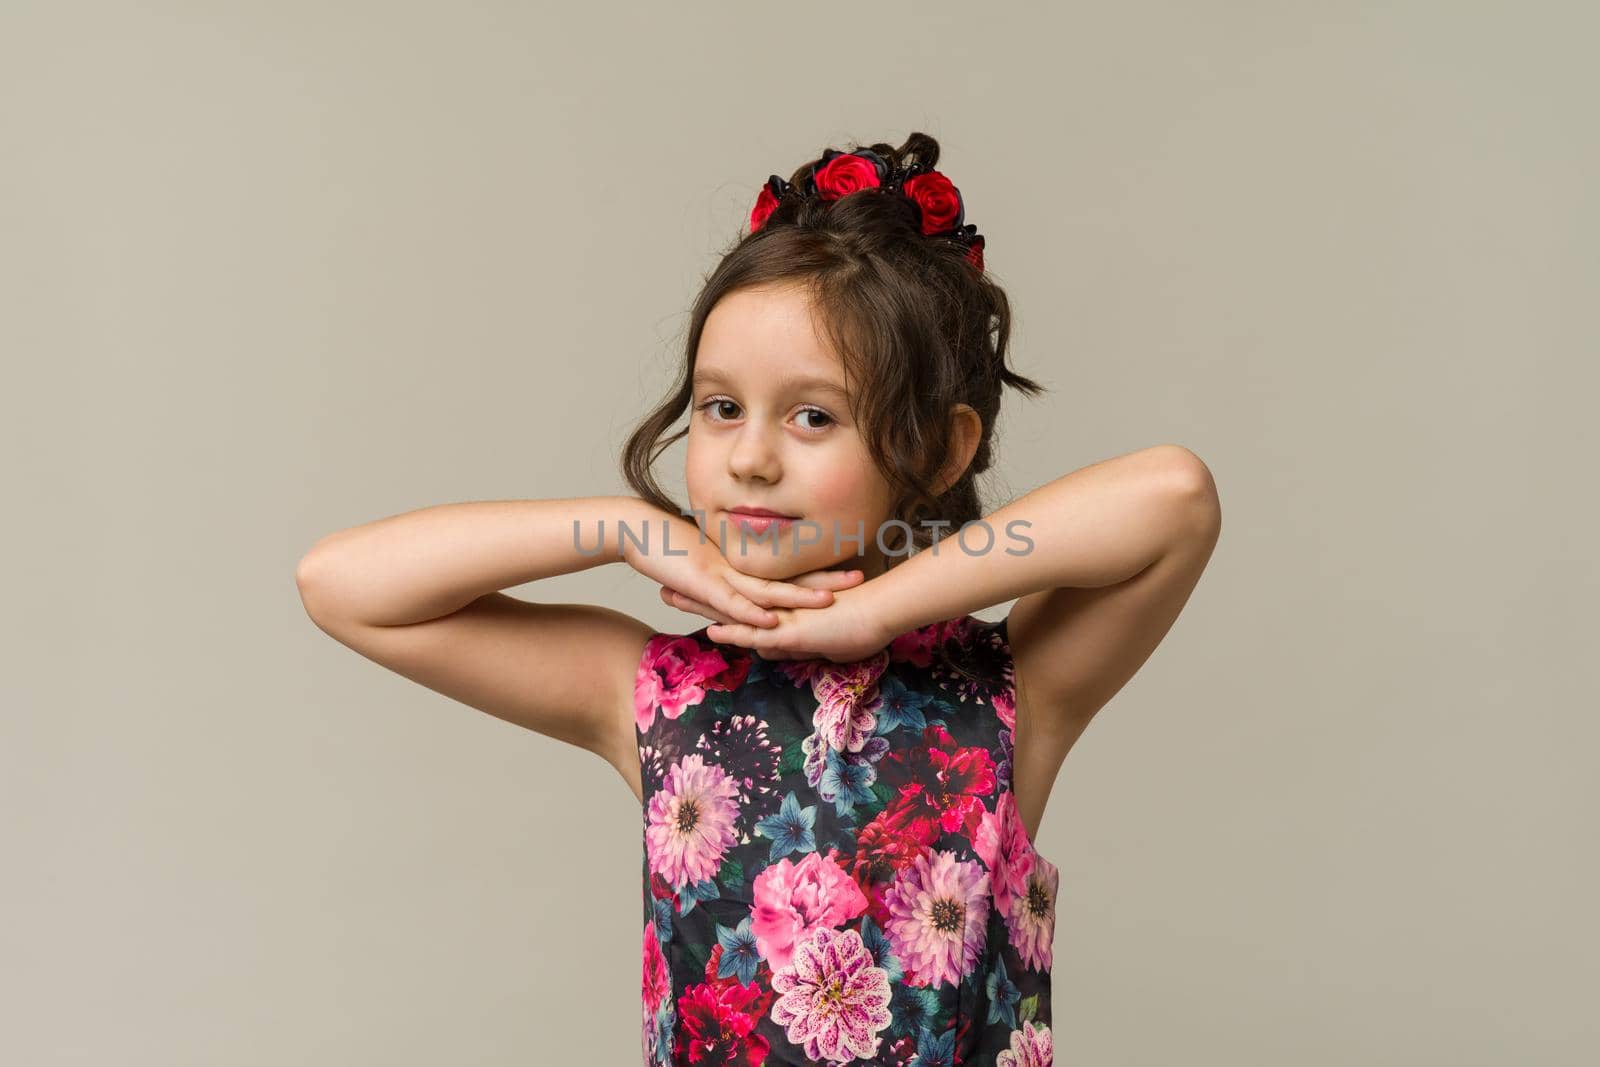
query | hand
[697, 571]
[845, 631]
[768, 593]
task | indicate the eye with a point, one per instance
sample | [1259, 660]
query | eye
[718, 402]
[817, 411]
[715, 401]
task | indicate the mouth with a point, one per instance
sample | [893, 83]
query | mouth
[761, 513]
[760, 520]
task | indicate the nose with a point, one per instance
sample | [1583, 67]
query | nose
[753, 455]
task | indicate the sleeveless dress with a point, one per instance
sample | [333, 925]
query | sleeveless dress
[835, 871]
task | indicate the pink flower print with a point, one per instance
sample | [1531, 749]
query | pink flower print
[1005, 705]
[799, 672]
[832, 999]
[672, 675]
[654, 986]
[1002, 843]
[1032, 1046]
[1031, 918]
[938, 917]
[848, 701]
[918, 646]
[943, 778]
[717, 1021]
[691, 821]
[791, 899]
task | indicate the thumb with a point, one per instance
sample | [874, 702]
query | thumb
[829, 579]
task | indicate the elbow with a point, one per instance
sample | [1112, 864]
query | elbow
[1194, 492]
[310, 580]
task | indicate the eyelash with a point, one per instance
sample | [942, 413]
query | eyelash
[710, 401]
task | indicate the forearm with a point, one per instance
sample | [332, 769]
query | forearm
[427, 563]
[1094, 527]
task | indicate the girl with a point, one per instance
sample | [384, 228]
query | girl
[842, 774]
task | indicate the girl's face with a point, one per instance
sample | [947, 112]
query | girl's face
[770, 428]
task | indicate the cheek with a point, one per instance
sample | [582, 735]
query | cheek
[696, 463]
[851, 487]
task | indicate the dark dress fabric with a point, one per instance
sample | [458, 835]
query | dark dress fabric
[835, 871]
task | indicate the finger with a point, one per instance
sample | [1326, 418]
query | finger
[755, 638]
[741, 609]
[760, 641]
[721, 603]
[684, 602]
[779, 594]
[830, 579]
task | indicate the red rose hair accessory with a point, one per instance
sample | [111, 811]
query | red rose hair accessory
[838, 174]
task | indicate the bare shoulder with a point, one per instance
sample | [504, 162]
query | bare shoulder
[1045, 729]
[1077, 647]
[565, 670]
[618, 642]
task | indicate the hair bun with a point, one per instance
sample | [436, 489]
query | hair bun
[908, 171]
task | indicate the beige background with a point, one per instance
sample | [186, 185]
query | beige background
[273, 269]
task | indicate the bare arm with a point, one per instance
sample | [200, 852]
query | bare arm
[1118, 546]
[422, 564]
[419, 593]
[1094, 527]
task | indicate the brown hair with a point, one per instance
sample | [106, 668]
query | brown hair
[918, 327]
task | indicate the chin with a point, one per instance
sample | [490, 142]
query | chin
[761, 563]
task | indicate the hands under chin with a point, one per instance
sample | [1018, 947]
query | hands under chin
[845, 631]
[822, 614]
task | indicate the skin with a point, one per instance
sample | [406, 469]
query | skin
[771, 426]
[1119, 544]
[756, 440]
[1117, 547]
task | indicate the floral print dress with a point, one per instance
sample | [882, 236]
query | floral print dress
[835, 871]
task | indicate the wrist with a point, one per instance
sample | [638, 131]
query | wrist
[888, 608]
[635, 518]
[931, 585]
[652, 530]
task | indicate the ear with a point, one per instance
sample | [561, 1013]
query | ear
[966, 430]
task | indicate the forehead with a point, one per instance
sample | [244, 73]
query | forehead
[765, 333]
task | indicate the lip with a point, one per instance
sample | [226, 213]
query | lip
[759, 523]
[761, 513]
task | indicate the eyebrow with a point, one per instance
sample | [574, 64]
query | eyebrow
[790, 381]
